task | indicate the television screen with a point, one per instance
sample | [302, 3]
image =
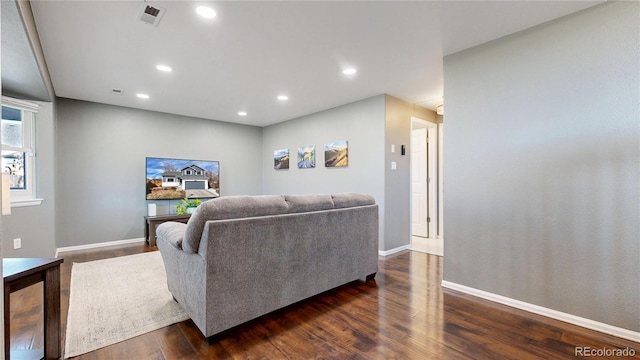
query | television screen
[169, 179]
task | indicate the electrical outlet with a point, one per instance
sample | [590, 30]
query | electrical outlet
[17, 243]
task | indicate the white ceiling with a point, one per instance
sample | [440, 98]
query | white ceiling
[253, 51]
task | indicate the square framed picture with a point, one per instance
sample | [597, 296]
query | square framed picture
[336, 154]
[307, 157]
[281, 159]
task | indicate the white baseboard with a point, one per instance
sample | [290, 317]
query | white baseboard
[554, 314]
[393, 251]
[98, 245]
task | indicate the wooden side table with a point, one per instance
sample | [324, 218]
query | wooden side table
[150, 223]
[20, 273]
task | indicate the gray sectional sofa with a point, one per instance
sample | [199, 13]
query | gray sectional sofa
[240, 257]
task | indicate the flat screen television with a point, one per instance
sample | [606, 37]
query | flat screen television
[169, 179]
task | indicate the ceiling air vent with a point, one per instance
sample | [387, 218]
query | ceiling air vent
[151, 14]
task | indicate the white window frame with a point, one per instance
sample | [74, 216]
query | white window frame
[28, 196]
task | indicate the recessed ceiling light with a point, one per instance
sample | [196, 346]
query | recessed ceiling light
[349, 71]
[283, 97]
[242, 113]
[164, 68]
[142, 96]
[206, 12]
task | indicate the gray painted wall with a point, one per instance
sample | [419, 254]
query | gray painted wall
[22, 78]
[38, 239]
[361, 123]
[101, 151]
[541, 165]
[371, 126]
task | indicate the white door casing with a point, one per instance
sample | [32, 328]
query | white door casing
[440, 183]
[432, 180]
[419, 188]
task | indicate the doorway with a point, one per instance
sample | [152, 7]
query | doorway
[426, 196]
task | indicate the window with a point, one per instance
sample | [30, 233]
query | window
[18, 150]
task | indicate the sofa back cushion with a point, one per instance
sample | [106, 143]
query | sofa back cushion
[229, 207]
[345, 200]
[306, 203]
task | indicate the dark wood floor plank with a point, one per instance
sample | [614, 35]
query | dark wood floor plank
[403, 314]
[173, 344]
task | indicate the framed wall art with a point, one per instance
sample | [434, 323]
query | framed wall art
[307, 157]
[336, 154]
[281, 159]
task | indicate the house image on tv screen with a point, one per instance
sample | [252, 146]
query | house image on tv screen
[190, 178]
[176, 179]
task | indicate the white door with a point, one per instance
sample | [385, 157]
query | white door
[419, 189]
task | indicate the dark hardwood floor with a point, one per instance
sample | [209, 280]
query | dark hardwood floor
[402, 314]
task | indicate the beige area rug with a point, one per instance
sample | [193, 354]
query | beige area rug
[116, 299]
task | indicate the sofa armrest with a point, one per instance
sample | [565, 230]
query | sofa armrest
[172, 232]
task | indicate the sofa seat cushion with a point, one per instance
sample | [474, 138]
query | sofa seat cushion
[173, 232]
[230, 207]
[345, 200]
